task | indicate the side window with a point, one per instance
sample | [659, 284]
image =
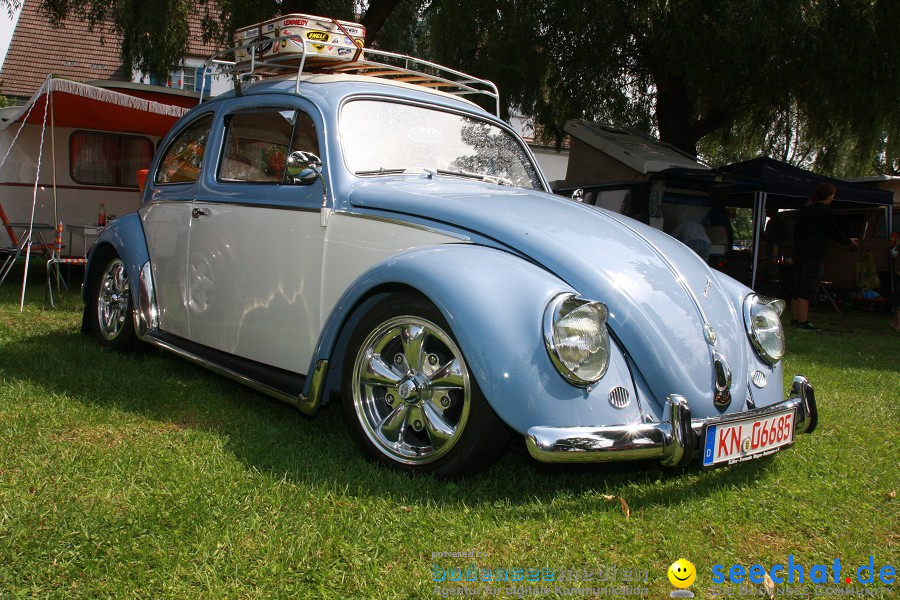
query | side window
[108, 159]
[257, 144]
[182, 160]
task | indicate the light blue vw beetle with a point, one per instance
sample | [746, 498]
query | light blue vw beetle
[398, 244]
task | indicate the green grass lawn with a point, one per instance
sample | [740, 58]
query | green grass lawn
[145, 476]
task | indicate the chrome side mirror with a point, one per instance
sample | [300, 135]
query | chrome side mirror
[303, 168]
[578, 195]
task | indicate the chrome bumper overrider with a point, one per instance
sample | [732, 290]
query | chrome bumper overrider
[669, 441]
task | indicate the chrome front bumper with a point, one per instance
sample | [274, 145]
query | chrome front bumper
[669, 441]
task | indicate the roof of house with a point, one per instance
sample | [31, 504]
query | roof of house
[72, 51]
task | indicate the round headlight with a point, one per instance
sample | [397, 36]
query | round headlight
[763, 319]
[576, 338]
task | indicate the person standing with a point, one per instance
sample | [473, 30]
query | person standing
[693, 235]
[816, 224]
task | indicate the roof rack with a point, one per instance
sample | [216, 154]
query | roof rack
[366, 61]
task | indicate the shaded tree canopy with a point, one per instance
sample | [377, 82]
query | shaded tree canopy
[813, 82]
[734, 75]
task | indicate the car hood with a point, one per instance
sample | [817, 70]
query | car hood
[660, 295]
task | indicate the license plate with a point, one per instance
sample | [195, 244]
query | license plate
[746, 439]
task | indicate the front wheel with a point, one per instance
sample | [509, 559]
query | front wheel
[409, 398]
[110, 307]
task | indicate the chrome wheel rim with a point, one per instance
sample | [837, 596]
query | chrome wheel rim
[411, 390]
[112, 301]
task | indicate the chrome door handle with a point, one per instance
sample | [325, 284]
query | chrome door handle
[199, 212]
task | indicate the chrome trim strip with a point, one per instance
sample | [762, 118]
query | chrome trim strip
[678, 276]
[293, 208]
[403, 223]
[146, 313]
[670, 441]
[301, 402]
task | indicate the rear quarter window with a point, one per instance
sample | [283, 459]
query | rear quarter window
[183, 158]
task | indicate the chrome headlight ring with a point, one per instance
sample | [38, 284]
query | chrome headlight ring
[576, 338]
[762, 317]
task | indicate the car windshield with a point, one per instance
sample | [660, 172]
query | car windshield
[381, 137]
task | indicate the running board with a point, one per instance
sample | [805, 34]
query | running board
[278, 383]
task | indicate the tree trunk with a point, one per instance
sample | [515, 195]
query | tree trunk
[375, 16]
[673, 115]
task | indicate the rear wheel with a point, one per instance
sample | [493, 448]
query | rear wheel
[409, 398]
[110, 308]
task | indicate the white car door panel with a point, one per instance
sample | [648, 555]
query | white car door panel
[253, 282]
[167, 230]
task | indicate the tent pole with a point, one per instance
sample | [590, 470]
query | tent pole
[888, 229]
[37, 177]
[759, 213]
[53, 174]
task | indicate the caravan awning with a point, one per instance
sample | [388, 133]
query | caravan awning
[85, 106]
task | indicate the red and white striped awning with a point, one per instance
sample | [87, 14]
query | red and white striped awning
[85, 106]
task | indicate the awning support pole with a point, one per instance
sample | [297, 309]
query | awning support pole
[759, 219]
[37, 176]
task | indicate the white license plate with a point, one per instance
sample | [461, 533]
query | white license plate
[738, 441]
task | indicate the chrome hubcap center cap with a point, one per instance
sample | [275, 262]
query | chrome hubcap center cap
[409, 391]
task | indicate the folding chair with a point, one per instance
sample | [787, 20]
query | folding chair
[56, 259]
[21, 244]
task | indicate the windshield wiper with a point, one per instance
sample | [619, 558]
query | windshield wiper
[380, 171]
[496, 179]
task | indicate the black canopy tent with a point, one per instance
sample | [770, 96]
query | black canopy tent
[784, 183]
[765, 181]
[752, 184]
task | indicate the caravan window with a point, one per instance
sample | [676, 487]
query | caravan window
[108, 159]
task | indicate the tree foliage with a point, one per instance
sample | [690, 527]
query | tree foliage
[813, 82]
[155, 35]
[841, 117]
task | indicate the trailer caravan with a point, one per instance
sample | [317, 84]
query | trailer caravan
[74, 148]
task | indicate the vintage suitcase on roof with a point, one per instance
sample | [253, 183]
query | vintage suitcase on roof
[326, 40]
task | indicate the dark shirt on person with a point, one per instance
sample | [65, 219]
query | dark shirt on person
[816, 224]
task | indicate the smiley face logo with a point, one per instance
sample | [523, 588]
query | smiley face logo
[682, 573]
